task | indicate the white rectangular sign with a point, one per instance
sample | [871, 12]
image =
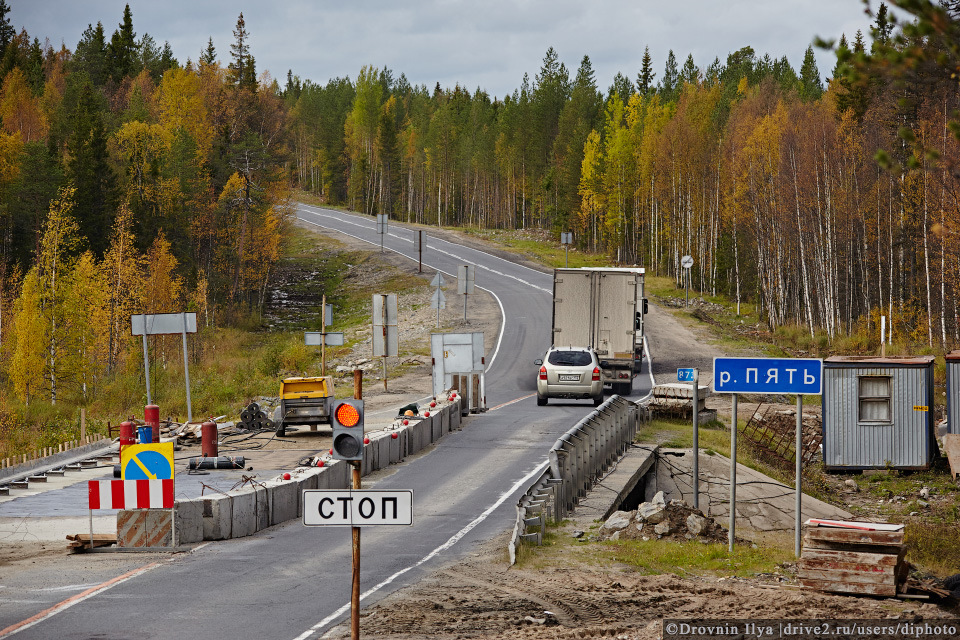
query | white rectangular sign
[163, 323]
[356, 507]
[316, 338]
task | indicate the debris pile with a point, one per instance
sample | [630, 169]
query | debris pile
[659, 520]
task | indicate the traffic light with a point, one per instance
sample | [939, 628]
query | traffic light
[347, 422]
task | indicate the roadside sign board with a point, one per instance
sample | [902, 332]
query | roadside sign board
[686, 262]
[316, 338]
[357, 507]
[163, 323]
[147, 461]
[801, 376]
[566, 238]
[466, 278]
[684, 375]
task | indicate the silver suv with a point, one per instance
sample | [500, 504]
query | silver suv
[569, 372]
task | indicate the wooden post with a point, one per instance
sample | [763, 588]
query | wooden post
[83, 423]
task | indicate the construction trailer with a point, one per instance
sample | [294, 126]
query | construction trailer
[953, 392]
[878, 413]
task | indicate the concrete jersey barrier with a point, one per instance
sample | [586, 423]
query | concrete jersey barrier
[247, 510]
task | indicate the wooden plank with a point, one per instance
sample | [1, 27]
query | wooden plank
[852, 567]
[856, 557]
[852, 576]
[861, 548]
[855, 536]
[951, 444]
[843, 587]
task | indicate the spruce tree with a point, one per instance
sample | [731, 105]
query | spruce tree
[209, 55]
[123, 49]
[811, 88]
[646, 75]
[7, 32]
[671, 77]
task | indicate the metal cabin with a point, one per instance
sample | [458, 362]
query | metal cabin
[953, 392]
[877, 413]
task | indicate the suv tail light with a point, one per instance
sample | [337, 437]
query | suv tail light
[596, 374]
[543, 373]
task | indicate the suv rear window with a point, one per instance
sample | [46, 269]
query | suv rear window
[570, 358]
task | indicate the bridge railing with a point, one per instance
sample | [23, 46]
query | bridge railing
[577, 459]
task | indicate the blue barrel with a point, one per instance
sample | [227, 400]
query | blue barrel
[145, 434]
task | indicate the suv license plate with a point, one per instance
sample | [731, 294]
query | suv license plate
[569, 377]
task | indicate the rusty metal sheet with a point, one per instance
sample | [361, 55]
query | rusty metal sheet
[880, 360]
[866, 589]
[951, 444]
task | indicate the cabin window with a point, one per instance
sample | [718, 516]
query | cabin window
[874, 395]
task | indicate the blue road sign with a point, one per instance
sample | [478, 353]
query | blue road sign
[684, 375]
[768, 375]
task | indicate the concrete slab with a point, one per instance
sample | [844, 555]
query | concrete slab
[763, 504]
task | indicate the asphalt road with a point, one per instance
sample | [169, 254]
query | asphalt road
[292, 581]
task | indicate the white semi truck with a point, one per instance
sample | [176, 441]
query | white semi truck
[602, 308]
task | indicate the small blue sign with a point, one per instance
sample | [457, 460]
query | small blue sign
[685, 375]
[802, 376]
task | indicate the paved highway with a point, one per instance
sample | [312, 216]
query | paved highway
[291, 581]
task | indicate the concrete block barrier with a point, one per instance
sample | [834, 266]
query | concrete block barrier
[189, 521]
[217, 514]
[284, 499]
[243, 512]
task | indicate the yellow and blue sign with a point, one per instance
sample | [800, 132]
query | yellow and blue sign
[147, 461]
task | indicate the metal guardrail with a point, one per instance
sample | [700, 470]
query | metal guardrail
[577, 459]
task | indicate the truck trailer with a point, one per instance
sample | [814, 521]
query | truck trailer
[602, 308]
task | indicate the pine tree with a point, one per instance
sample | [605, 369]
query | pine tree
[646, 75]
[241, 72]
[622, 87]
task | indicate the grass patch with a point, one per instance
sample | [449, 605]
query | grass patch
[933, 545]
[696, 558]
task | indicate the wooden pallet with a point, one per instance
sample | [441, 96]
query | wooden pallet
[854, 560]
[81, 541]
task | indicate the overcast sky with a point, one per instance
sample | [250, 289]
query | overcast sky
[488, 44]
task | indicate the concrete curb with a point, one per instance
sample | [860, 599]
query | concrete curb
[83, 452]
[245, 511]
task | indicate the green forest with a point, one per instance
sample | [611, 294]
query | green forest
[134, 181]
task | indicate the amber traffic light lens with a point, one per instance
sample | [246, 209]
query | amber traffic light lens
[347, 415]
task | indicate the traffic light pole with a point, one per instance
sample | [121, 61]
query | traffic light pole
[356, 464]
[355, 593]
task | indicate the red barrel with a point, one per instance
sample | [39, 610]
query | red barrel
[208, 440]
[151, 417]
[126, 434]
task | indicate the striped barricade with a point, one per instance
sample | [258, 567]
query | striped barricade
[131, 494]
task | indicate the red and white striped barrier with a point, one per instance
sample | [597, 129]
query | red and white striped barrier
[131, 494]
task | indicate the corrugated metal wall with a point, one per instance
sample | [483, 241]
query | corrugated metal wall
[904, 443]
[953, 396]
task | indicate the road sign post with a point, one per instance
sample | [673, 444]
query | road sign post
[165, 324]
[385, 336]
[466, 279]
[686, 262]
[566, 239]
[794, 376]
[382, 224]
[356, 508]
